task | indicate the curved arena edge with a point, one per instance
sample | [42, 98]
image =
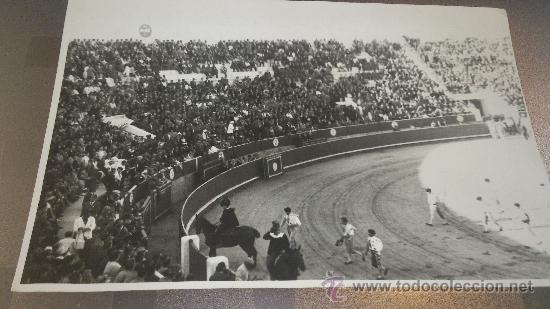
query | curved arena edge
[205, 195]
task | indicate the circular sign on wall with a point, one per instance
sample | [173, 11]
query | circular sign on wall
[332, 132]
[275, 142]
[145, 30]
[275, 166]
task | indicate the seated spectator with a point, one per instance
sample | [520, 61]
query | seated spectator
[127, 273]
[65, 246]
[112, 267]
[242, 272]
[222, 273]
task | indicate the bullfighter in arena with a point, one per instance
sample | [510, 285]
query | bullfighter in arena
[347, 240]
[293, 225]
[433, 203]
[374, 247]
[487, 215]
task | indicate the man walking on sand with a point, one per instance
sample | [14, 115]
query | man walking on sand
[374, 247]
[347, 238]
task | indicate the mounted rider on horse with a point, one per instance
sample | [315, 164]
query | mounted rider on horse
[228, 233]
[227, 224]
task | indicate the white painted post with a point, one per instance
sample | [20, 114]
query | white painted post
[185, 252]
[211, 264]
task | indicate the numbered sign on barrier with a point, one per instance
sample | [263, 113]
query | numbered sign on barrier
[273, 166]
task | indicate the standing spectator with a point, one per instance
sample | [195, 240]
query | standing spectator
[95, 252]
[84, 224]
[110, 181]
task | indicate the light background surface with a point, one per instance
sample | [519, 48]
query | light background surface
[30, 33]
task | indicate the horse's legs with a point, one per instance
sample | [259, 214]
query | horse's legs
[254, 254]
[253, 251]
[250, 251]
[212, 251]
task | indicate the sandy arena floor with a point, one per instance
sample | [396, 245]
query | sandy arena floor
[380, 190]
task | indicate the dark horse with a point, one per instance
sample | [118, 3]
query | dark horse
[287, 265]
[243, 236]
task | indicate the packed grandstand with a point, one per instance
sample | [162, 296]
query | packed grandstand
[191, 98]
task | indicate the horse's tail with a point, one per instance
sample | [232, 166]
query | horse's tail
[256, 233]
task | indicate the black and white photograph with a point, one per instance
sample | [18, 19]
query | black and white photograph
[221, 144]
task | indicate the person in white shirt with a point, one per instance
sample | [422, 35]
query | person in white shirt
[487, 215]
[230, 127]
[65, 246]
[84, 224]
[433, 203]
[118, 174]
[347, 239]
[293, 226]
[374, 247]
[522, 215]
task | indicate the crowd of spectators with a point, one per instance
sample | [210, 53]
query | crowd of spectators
[191, 118]
[473, 64]
[104, 245]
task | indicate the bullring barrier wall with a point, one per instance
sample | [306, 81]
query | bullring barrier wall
[265, 144]
[180, 181]
[207, 193]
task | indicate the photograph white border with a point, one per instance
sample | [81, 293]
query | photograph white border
[71, 32]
